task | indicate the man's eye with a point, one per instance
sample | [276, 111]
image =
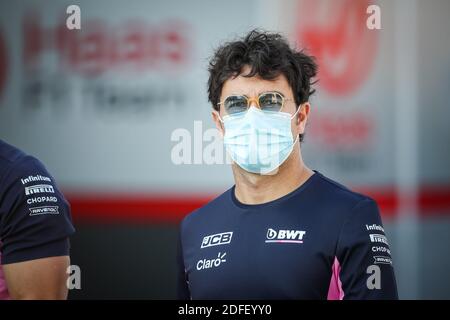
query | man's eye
[235, 104]
[271, 101]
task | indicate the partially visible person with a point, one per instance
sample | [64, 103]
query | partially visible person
[35, 225]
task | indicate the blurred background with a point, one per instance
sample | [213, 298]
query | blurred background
[99, 107]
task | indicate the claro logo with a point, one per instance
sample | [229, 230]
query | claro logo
[212, 263]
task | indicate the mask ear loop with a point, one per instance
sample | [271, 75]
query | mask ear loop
[296, 139]
[221, 121]
[218, 115]
[295, 114]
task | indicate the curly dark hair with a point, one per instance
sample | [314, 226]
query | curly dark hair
[268, 55]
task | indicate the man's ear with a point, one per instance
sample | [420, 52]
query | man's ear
[219, 125]
[302, 117]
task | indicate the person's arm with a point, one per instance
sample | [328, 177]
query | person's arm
[363, 261]
[182, 281]
[43, 278]
[35, 225]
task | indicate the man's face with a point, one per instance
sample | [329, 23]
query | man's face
[252, 87]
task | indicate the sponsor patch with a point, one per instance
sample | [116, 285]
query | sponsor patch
[44, 210]
[217, 239]
[39, 188]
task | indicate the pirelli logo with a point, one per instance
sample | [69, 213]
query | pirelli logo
[39, 188]
[378, 238]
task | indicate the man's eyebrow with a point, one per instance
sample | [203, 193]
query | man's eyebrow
[271, 91]
[237, 94]
[259, 93]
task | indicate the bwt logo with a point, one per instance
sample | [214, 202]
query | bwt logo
[284, 236]
[217, 239]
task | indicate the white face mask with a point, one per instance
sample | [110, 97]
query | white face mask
[259, 141]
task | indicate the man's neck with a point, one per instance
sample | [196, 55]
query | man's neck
[257, 189]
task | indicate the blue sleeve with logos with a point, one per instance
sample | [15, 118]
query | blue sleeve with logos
[35, 219]
[364, 256]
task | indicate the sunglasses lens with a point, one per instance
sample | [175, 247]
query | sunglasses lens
[235, 104]
[271, 101]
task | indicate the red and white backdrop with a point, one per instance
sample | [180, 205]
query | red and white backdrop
[99, 105]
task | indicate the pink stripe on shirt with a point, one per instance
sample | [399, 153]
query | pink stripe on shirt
[335, 291]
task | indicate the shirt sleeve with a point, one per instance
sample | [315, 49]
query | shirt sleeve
[182, 281]
[363, 260]
[35, 220]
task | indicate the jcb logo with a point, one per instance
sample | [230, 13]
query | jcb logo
[216, 239]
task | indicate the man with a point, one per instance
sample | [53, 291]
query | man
[283, 231]
[35, 224]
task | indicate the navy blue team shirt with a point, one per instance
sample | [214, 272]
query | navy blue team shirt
[35, 220]
[321, 241]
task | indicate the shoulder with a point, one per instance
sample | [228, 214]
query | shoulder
[17, 165]
[336, 190]
[9, 157]
[22, 174]
[344, 201]
[209, 211]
